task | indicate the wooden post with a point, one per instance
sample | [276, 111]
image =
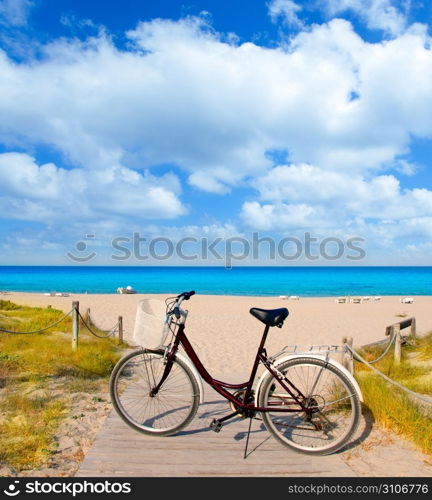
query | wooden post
[398, 343]
[75, 324]
[347, 357]
[87, 315]
[413, 331]
[120, 329]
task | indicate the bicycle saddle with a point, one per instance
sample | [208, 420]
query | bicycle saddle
[270, 317]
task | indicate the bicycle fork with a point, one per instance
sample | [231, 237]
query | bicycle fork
[169, 364]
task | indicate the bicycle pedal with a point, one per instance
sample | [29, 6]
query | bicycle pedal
[215, 425]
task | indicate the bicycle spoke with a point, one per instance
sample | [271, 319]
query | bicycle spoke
[165, 412]
[328, 413]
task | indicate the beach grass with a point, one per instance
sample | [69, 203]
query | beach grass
[27, 428]
[24, 318]
[32, 370]
[392, 408]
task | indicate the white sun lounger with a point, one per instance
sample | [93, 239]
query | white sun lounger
[341, 300]
[407, 300]
[126, 290]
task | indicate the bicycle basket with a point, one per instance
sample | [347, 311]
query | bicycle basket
[150, 330]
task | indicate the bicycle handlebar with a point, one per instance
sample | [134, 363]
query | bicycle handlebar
[186, 295]
[179, 299]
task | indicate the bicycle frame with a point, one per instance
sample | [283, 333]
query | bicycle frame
[221, 387]
[171, 372]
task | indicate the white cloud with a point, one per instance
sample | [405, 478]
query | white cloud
[47, 193]
[99, 236]
[377, 14]
[210, 231]
[15, 12]
[314, 198]
[280, 216]
[287, 10]
[209, 183]
[185, 97]
[405, 167]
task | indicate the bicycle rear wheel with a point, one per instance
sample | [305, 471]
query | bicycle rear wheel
[331, 413]
[163, 414]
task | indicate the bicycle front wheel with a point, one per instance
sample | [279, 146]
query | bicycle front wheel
[330, 411]
[163, 414]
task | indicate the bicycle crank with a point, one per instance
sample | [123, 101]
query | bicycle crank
[217, 423]
[239, 395]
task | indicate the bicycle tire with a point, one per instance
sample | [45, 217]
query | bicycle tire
[311, 432]
[165, 414]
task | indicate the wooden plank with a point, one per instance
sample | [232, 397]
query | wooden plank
[120, 330]
[75, 324]
[197, 451]
[398, 344]
[413, 331]
[347, 357]
[405, 323]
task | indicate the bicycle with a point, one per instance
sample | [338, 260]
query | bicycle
[308, 403]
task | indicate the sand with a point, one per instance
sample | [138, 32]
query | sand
[226, 336]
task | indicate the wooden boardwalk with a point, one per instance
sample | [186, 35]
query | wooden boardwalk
[119, 451]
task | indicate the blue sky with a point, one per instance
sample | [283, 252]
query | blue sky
[215, 119]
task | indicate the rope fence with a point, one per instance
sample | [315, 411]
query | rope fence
[358, 357]
[386, 350]
[86, 324]
[77, 320]
[396, 340]
[41, 329]
[93, 323]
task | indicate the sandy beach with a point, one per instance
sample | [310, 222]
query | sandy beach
[226, 336]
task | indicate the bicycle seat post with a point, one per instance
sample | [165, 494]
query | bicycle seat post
[256, 362]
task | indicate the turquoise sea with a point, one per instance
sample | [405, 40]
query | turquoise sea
[302, 281]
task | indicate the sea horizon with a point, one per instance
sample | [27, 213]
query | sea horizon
[305, 281]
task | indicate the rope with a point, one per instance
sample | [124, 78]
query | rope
[386, 350]
[37, 331]
[93, 323]
[109, 334]
[357, 356]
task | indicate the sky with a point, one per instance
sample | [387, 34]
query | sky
[215, 119]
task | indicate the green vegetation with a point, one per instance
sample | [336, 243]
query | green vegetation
[27, 428]
[38, 373]
[392, 408]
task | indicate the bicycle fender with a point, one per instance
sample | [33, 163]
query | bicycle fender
[195, 373]
[316, 356]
